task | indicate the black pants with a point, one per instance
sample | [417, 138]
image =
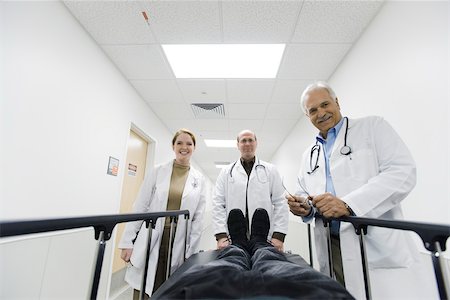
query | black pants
[237, 274]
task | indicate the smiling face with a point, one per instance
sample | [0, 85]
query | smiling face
[183, 147]
[323, 111]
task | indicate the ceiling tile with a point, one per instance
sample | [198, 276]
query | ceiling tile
[311, 61]
[275, 126]
[211, 124]
[158, 90]
[166, 111]
[284, 111]
[189, 123]
[203, 90]
[140, 61]
[185, 21]
[112, 22]
[237, 126]
[289, 91]
[334, 21]
[259, 21]
[249, 90]
[246, 111]
[216, 134]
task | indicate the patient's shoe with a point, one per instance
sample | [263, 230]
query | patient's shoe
[260, 230]
[260, 225]
[237, 228]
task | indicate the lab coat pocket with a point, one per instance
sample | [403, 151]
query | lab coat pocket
[362, 164]
[387, 248]
[137, 258]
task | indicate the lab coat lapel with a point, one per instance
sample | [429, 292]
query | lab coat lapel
[191, 184]
[163, 184]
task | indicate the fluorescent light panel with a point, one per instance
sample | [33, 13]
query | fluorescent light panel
[225, 60]
[221, 166]
[221, 143]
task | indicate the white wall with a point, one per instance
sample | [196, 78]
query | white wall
[398, 69]
[65, 109]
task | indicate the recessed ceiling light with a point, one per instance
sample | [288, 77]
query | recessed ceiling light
[225, 60]
[221, 143]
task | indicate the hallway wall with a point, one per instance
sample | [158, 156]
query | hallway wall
[65, 109]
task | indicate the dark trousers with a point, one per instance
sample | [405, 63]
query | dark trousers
[337, 259]
[161, 269]
[235, 274]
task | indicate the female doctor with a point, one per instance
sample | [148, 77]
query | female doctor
[247, 184]
[367, 172]
[172, 186]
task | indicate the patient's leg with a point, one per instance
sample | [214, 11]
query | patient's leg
[232, 257]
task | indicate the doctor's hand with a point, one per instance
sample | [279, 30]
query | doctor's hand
[222, 243]
[279, 245]
[126, 254]
[330, 206]
[298, 205]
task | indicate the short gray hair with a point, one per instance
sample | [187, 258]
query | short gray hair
[318, 85]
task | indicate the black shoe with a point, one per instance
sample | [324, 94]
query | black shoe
[260, 225]
[237, 228]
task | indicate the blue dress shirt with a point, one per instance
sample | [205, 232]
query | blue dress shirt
[327, 145]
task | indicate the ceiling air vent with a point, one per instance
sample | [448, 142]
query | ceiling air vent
[208, 110]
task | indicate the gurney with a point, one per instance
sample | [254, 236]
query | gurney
[434, 238]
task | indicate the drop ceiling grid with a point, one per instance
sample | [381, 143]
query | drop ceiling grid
[112, 22]
[334, 21]
[318, 35]
[288, 90]
[311, 61]
[202, 90]
[140, 61]
[249, 90]
[158, 90]
[183, 22]
[259, 21]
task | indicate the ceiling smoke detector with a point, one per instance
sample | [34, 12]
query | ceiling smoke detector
[208, 110]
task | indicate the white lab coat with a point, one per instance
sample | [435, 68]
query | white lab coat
[266, 192]
[373, 180]
[153, 197]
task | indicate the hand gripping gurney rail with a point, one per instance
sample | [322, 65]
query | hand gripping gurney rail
[433, 236]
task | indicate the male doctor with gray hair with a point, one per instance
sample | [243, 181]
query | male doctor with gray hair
[358, 167]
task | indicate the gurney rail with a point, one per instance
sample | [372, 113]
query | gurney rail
[434, 238]
[103, 227]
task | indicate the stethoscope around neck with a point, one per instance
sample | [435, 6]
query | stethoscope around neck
[258, 168]
[345, 150]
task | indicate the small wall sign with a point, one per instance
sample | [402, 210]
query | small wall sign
[113, 166]
[132, 169]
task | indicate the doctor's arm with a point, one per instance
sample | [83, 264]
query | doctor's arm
[280, 210]
[396, 174]
[219, 210]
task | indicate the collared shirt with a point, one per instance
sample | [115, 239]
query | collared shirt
[327, 145]
[248, 165]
